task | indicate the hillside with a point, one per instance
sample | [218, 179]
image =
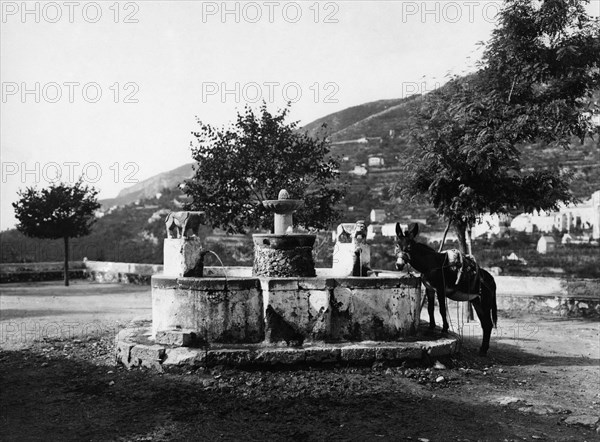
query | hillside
[148, 188]
[371, 143]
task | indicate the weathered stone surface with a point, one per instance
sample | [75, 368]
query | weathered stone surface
[136, 354]
[228, 357]
[350, 257]
[315, 283]
[280, 356]
[322, 355]
[177, 337]
[149, 356]
[585, 420]
[358, 354]
[183, 356]
[123, 351]
[296, 315]
[441, 347]
[398, 353]
[182, 257]
[371, 313]
[271, 262]
[218, 316]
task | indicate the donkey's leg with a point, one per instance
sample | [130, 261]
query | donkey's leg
[484, 314]
[442, 301]
[430, 293]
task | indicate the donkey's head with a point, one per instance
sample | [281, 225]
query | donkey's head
[404, 244]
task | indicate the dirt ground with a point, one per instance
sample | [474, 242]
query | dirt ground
[541, 381]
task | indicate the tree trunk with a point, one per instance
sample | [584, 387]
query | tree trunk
[461, 234]
[469, 242]
[66, 238]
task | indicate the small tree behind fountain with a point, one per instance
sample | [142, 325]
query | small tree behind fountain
[240, 167]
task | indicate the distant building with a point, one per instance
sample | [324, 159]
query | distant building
[375, 161]
[359, 170]
[490, 225]
[377, 215]
[389, 229]
[546, 244]
[566, 239]
[373, 230]
[580, 216]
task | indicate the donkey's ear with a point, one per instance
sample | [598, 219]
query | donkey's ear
[399, 230]
[413, 230]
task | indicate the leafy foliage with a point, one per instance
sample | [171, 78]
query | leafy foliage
[58, 211]
[538, 68]
[251, 161]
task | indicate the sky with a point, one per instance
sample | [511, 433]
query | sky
[111, 91]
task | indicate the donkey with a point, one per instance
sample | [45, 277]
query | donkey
[439, 274]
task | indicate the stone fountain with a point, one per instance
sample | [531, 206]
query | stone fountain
[283, 253]
[281, 311]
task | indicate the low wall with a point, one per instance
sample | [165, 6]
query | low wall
[121, 272]
[546, 295]
[40, 271]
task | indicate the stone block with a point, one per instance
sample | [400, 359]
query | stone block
[217, 316]
[442, 347]
[296, 315]
[358, 354]
[280, 356]
[315, 284]
[228, 357]
[372, 313]
[148, 352]
[182, 257]
[401, 353]
[183, 356]
[177, 337]
[123, 352]
[322, 355]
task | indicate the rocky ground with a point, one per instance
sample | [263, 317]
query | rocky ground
[541, 381]
[536, 389]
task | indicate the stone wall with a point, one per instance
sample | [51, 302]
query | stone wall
[288, 310]
[546, 295]
[40, 271]
[121, 272]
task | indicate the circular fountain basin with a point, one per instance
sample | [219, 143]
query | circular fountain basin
[243, 320]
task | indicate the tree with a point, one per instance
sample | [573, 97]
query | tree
[534, 84]
[251, 161]
[60, 211]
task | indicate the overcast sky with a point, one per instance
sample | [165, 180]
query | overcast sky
[112, 90]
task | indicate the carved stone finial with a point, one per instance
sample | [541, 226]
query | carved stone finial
[283, 195]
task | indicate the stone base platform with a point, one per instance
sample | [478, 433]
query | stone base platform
[136, 348]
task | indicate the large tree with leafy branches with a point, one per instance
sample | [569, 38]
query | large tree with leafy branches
[252, 160]
[533, 84]
[59, 211]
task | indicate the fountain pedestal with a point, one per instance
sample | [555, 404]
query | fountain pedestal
[283, 254]
[183, 257]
